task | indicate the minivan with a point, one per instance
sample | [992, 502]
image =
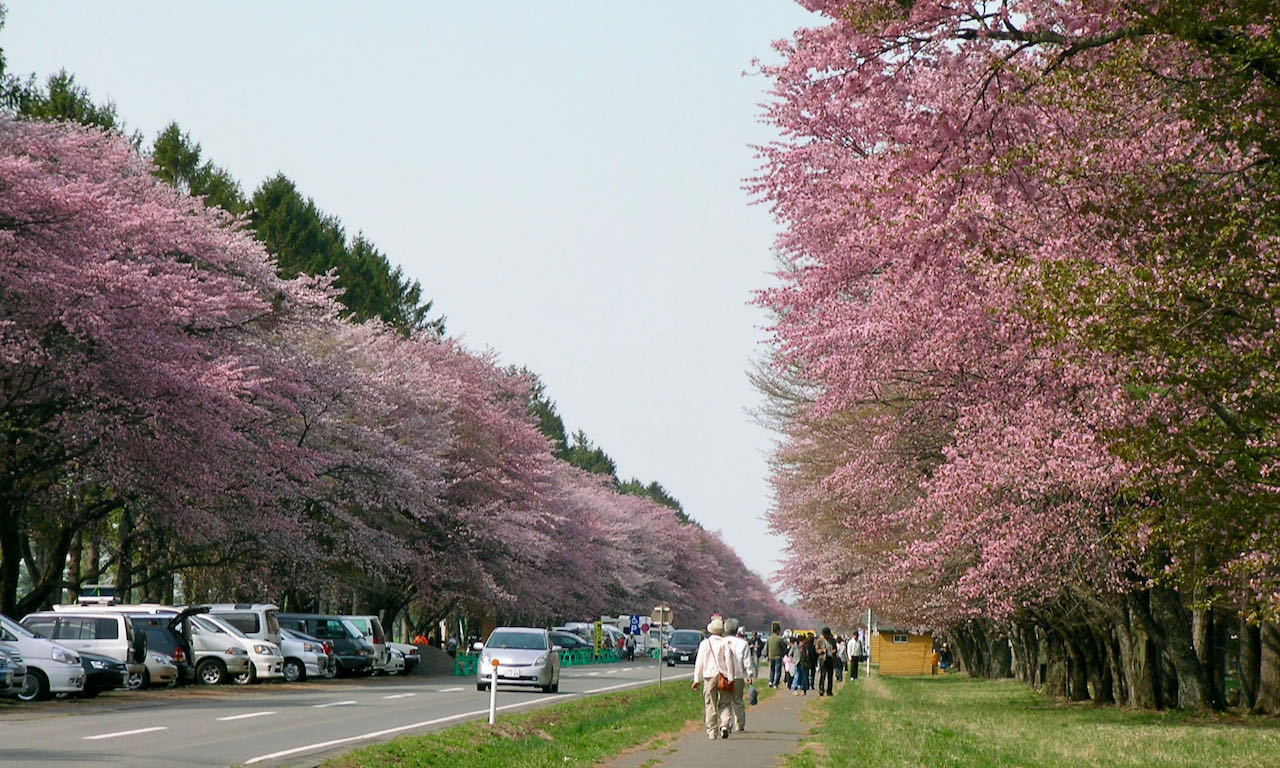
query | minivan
[371, 628]
[265, 658]
[90, 631]
[51, 668]
[355, 654]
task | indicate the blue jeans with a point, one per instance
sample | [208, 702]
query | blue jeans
[800, 680]
[775, 672]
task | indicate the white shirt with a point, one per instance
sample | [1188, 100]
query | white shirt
[717, 657]
[742, 657]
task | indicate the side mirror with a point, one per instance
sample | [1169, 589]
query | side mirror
[556, 648]
[478, 646]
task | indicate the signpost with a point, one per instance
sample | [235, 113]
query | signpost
[661, 617]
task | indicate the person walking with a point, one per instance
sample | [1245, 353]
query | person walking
[742, 651]
[826, 647]
[775, 648]
[800, 654]
[857, 652]
[842, 657]
[715, 659]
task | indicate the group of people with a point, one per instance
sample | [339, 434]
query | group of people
[807, 661]
[727, 663]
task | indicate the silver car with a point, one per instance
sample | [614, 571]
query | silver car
[525, 656]
[157, 670]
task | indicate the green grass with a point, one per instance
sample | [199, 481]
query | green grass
[957, 722]
[580, 732]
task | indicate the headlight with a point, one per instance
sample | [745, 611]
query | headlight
[540, 660]
[64, 656]
[98, 664]
[236, 652]
[265, 650]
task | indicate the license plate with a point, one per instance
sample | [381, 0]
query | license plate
[684, 657]
[508, 672]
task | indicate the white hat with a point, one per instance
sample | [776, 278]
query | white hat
[716, 627]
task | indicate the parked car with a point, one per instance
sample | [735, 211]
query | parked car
[170, 644]
[102, 673]
[266, 660]
[411, 656]
[353, 652]
[157, 670]
[304, 656]
[88, 630]
[17, 672]
[51, 668]
[569, 641]
[395, 661]
[682, 648]
[525, 656]
[371, 628]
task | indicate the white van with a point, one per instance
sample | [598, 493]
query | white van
[90, 631]
[266, 660]
[51, 668]
[253, 619]
[371, 628]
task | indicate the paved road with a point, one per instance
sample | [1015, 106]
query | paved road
[271, 725]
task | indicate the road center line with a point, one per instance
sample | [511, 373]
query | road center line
[400, 696]
[128, 733]
[451, 690]
[245, 716]
[334, 704]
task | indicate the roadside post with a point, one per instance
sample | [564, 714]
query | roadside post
[493, 694]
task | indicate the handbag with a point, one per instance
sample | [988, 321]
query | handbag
[753, 695]
[723, 683]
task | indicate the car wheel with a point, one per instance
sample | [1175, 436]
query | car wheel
[36, 686]
[139, 680]
[293, 671]
[555, 687]
[331, 671]
[246, 677]
[671, 663]
[211, 672]
[481, 687]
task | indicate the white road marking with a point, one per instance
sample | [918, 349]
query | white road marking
[126, 733]
[399, 695]
[376, 734]
[334, 704]
[593, 674]
[616, 687]
[451, 690]
[246, 716]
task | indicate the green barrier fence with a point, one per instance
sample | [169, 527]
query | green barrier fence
[464, 664]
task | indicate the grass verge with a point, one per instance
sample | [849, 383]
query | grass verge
[579, 732]
[957, 722]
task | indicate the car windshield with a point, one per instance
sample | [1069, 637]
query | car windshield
[686, 636]
[524, 641]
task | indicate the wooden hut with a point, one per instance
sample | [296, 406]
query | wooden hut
[902, 652]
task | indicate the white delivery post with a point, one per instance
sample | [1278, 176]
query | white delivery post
[493, 694]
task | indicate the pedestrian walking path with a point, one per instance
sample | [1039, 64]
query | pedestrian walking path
[775, 727]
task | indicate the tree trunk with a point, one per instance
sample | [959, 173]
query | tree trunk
[124, 565]
[1077, 668]
[1250, 663]
[1267, 700]
[1055, 683]
[1140, 657]
[1174, 621]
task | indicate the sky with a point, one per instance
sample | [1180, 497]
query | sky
[563, 178]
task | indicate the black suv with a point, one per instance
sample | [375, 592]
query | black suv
[682, 648]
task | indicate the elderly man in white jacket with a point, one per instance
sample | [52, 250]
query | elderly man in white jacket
[716, 657]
